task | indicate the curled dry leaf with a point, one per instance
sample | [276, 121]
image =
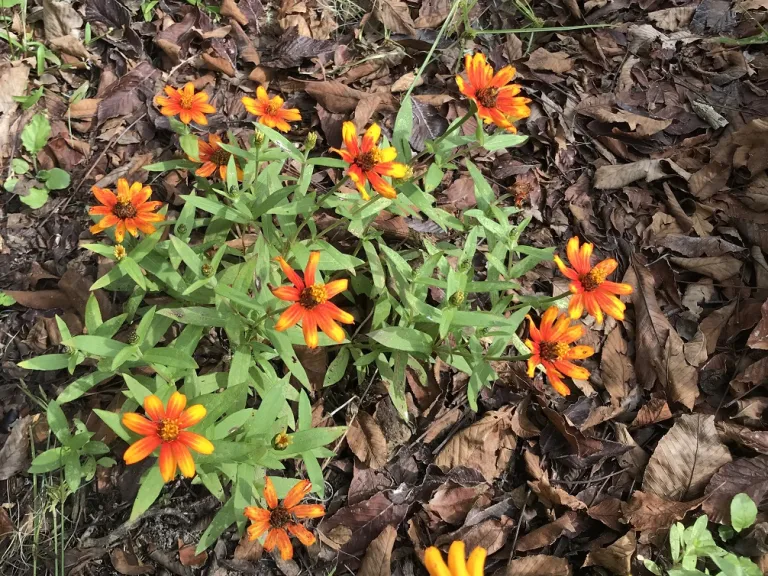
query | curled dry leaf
[649, 513]
[230, 9]
[367, 441]
[620, 175]
[756, 440]
[693, 246]
[617, 558]
[655, 410]
[713, 324]
[486, 446]
[600, 108]
[14, 456]
[660, 353]
[521, 424]
[539, 565]
[607, 511]
[615, 366]
[452, 502]
[720, 268]
[759, 337]
[339, 98]
[127, 563]
[685, 459]
[247, 549]
[569, 524]
[378, 557]
[748, 475]
[395, 15]
[557, 62]
[634, 460]
[553, 496]
[489, 534]
[672, 19]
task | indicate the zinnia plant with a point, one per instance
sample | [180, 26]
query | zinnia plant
[368, 163]
[280, 520]
[271, 111]
[129, 210]
[589, 286]
[188, 105]
[311, 303]
[166, 429]
[550, 346]
[458, 564]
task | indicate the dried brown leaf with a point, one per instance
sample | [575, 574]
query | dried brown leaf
[247, 549]
[486, 446]
[685, 459]
[229, 8]
[432, 13]
[521, 424]
[607, 511]
[600, 108]
[635, 460]
[713, 324]
[461, 193]
[539, 565]
[367, 441]
[693, 246]
[14, 456]
[395, 15]
[60, 19]
[40, 299]
[84, 109]
[489, 534]
[649, 513]
[553, 496]
[452, 502]
[405, 82]
[615, 366]
[557, 62]
[618, 176]
[378, 556]
[568, 524]
[334, 96]
[759, 337]
[720, 268]
[756, 440]
[672, 19]
[616, 558]
[748, 475]
[127, 563]
[187, 555]
[655, 410]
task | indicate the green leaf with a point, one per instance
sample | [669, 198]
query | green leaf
[150, 488]
[6, 300]
[743, 512]
[224, 518]
[48, 461]
[282, 142]
[190, 258]
[35, 198]
[189, 143]
[170, 357]
[282, 344]
[72, 471]
[337, 368]
[129, 266]
[306, 440]
[36, 134]
[26, 101]
[402, 338]
[501, 141]
[483, 191]
[401, 134]
[93, 318]
[195, 315]
[55, 178]
[19, 166]
[46, 362]
[96, 345]
[78, 387]
[137, 389]
[170, 165]
[374, 262]
[58, 422]
[114, 421]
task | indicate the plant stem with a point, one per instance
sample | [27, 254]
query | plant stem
[545, 29]
[340, 221]
[327, 194]
[466, 354]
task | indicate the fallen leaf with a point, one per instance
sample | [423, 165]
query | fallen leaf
[553, 496]
[756, 440]
[701, 292]
[365, 520]
[650, 513]
[489, 534]
[566, 525]
[748, 475]
[750, 410]
[461, 193]
[521, 424]
[122, 97]
[720, 268]
[40, 299]
[367, 442]
[486, 446]
[600, 108]
[84, 109]
[432, 13]
[615, 366]
[218, 64]
[695, 351]
[583, 446]
[6, 524]
[653, 411]
[557, 62]
[539, 565]
[14, 456]
[405, 82]
[635, 459]
[713, 324]
[452, 502]
[230, 9]
[378, 556]
[72, 46]
[247, 549]
[672, 19]
[607, 511]
[616, 558]
[60, 19]
[336, 97]
[685, 459]
[693, 246]
[758, 339]
[618, 176]
[113, 19]
[428, 124]
[659, 352]
[187, 555]
[395, 15]
[127, 563]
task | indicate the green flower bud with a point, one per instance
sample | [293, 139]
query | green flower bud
[258, 137]
[311, 141]
[457, 298]
[207, 270]
[133, 337]
[181, 229]
[281, 441]
[120, 252]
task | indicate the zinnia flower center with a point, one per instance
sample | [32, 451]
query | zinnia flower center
[279, 517]
[312, 296]
[487, 96]
[124, 209]
[220, 157]
[553, 351]
[186, 101]
[592, 279]
[367, 160]
[168, 430]
[272, 107]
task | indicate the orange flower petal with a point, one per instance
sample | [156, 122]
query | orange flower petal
[167, 463]
[197, 442]
[192, 415]
[337, 313]
[137, 423]
[572, 251]
[572, 334]
[357, 176]
[557, 383]
[130, 225]
[547, 320]
[345, 155]
[391, 169]
[592, 306]
[610, 305]
[309, 327]
[306, 511]
[309, 271]
[104, 196]
[534, 331]
[290, 317]
[616, 288]
[153, 406]
[256, 529]
[380, 185]
[606, 267]
[184, 459]
[579, 352]
[290, 273]
[570, 369]
[107, 222]
[206, 169]
[503, 77]
[336, 287]
[349, 136]
[305, 536]
[565, 271]
[327, 325]
[99, 210]
[370, 138]
[270, 495]
[297, 494]
[287, 293]
[476, 561]
[176, 404]
[279, 537]
[257, 514]
[576, 306]
[141, 449]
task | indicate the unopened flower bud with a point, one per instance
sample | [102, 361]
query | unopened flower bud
[457, 298]
[281, 441]
[181, 229]
[133, 336]
[310, 141]
[120, 252]
[258, 137]
[207, 270]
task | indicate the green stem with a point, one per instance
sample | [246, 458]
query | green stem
[327, 194]
[340, 221]
[467, 354]
[545, 29]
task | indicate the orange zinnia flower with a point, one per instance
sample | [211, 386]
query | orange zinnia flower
[589, 286]
[281, 517]
[129, 210]
[368, 162]
[271, 112]
[457, 565]
[550, 347]
[166, 429]
[188, 105]
[496, 102]
[312, 306]
[213, 156]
